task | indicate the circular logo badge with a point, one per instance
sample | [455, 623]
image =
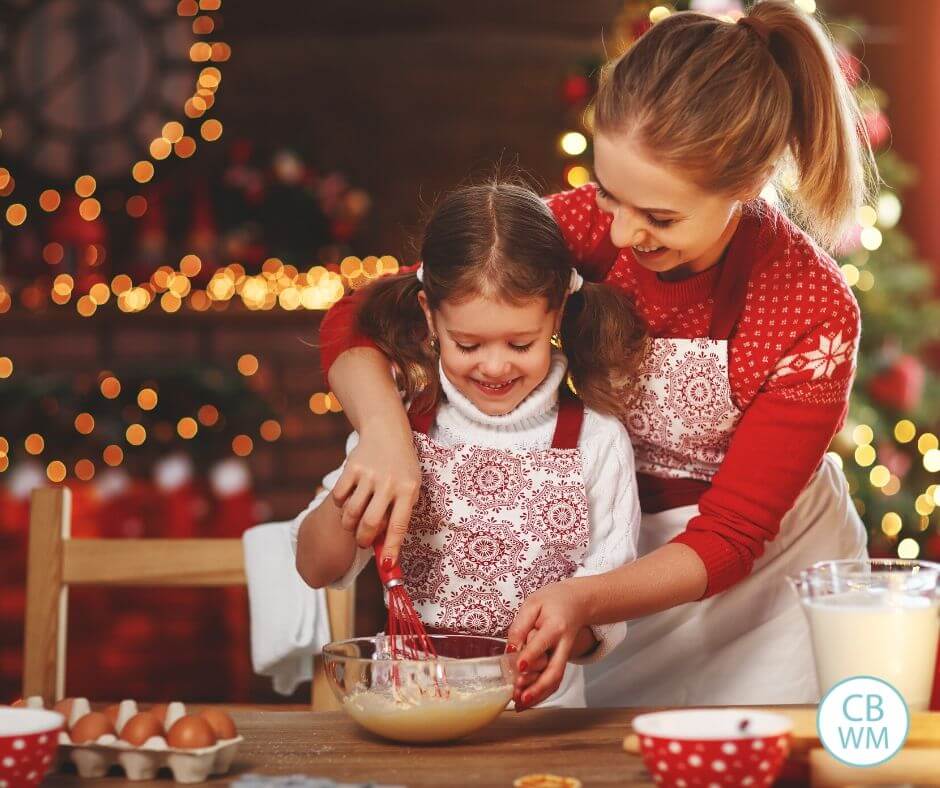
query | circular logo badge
[863, 721]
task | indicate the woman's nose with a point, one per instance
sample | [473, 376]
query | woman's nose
[626, 229]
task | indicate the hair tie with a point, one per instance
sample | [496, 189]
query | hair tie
[758, 26]
[419, 273]
[575, 281]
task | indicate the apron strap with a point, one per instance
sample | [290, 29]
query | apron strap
[568, 423]
[731, 288]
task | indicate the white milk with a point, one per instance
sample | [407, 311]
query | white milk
[891, 636]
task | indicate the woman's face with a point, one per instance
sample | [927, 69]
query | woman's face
[669, 223]
[493, 353]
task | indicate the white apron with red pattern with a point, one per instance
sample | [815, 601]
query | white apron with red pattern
[751, 643]
[491, 526]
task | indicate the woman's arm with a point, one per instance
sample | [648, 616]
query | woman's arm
[380, 483]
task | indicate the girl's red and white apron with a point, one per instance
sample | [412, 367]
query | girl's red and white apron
[491, 526]
[751, 643]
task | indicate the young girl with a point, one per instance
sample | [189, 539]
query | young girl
[755, 333]
[521, 484]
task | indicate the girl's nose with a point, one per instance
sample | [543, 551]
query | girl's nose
[494, 365]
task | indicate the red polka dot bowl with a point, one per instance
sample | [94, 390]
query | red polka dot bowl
[713, 748]
[28, 741]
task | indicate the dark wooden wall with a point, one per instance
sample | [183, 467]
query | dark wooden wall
[408, 97]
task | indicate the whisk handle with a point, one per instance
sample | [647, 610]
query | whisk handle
[385, 576]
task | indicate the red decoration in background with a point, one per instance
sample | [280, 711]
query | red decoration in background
[877, 128]
[576, 89]
[899, 385]
[151, 644]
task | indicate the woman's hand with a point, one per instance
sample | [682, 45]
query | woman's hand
[549, 628]
[378, 489]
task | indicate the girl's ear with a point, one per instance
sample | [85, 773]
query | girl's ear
[556, 328]
[428, 316]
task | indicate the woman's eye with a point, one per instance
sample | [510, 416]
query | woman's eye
[466, 348]
[521, 348]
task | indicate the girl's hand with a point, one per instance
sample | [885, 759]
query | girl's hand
[378, 489]
[550, 625]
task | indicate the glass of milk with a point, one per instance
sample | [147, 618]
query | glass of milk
[877, 617]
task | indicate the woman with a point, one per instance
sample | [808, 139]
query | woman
[754, 332]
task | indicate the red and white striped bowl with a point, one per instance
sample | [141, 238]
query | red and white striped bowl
[713, 748]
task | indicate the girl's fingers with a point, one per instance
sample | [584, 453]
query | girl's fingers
[348, 481]
[374, 518]
[539, 643]
[523, 625]
[398, 522]
[550, 678]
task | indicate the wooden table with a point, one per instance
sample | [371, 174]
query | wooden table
[582, 743]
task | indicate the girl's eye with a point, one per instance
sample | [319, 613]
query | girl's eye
[603, 193]
[466, 348]
[521, 348]
[660, 222]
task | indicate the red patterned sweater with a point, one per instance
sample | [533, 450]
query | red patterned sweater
[791, 358]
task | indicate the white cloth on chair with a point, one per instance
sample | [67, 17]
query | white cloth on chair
[290, 621]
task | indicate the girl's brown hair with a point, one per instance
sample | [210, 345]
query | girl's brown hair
[726, 103]
[500, 241]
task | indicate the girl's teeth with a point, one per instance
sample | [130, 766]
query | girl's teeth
[648, 249]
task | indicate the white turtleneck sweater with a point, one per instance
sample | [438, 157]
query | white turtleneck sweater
[607, 467]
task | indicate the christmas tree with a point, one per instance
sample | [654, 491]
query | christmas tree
[889, 447]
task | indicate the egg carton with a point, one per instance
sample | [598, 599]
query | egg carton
[94, 759]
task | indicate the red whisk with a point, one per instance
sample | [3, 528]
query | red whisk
[407, 636]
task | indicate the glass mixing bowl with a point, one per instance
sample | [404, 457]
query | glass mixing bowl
[420, 700]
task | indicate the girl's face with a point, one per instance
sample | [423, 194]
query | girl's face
[669, 223]
[494, 353]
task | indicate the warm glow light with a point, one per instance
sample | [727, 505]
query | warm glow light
[142, 171]
[99, 293]
[319, 404]
[85, 423]
[247, 364]
[893, 487]
[136, 206]
[927, 442]
[659, 13]
[866, 216]
[211, 130]
[865, 455]
[187, 427]
[908, 549]
[6, 366]
[185, 148]
[270, 430]
[221, 52]
[85, 306]
[870, 238]
[113, 455]
[210, 5]
[85, 470]
[578, 176]
[191, 265]
[50, 200]
[187, 8]
[135, 434]
[932, 460]
[879, 476]
[16, 214]
[85, 186]
[89, 209]
[200, 52]
[904, 431]
[573, 143]
[203, 25]
[924, 505]
[242, 445]
[147, 399]
[111, 387]
[866, 281]
[851, 273]
[208, 415]
[160, 148]
[891, 524]
[34, 443]
[121, 284]
[863, 434]
[55, 470]
[889, 210]
[5, 178]
[173, 131]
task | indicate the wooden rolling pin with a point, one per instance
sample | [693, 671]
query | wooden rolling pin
[917, 766]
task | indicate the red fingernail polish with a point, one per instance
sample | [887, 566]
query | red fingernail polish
[510, 648]
[523, 665]
[386, 563]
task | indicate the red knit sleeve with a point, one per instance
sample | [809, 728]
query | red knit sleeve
[586, 229]
[778, 444]
[338, 330]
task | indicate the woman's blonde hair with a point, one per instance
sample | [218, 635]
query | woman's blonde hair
[499, 240]
[726, 104]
